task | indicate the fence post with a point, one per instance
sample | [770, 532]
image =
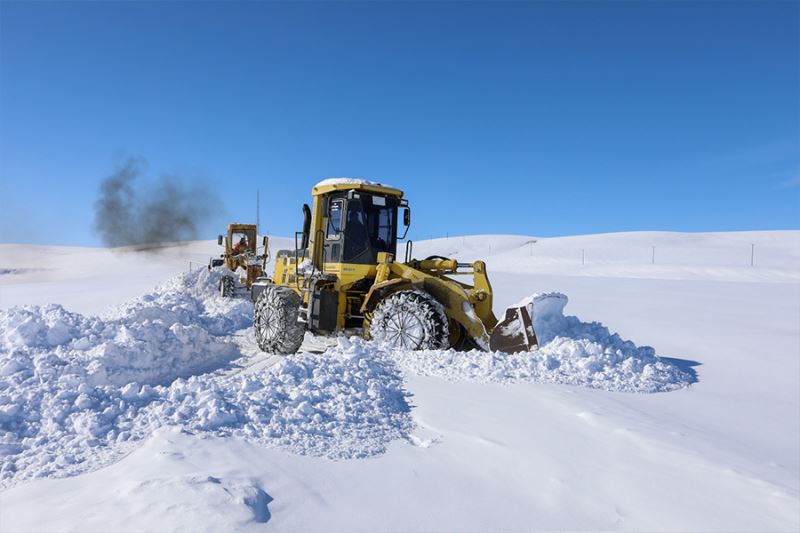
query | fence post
[583, 256]
[653, 258]
[752, 254]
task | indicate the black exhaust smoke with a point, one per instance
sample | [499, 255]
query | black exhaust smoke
[128, 213]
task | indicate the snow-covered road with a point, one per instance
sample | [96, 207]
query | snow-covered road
[455, 441]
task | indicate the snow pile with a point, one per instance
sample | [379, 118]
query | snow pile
[77, 391]
[570, 352]
[346, 403]
[170, 333]
[190, 298]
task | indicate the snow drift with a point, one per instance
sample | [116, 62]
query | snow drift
[570, 352]
[78, 391]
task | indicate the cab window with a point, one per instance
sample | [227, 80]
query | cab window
[370, 228]
[240, 242]
[335, 209]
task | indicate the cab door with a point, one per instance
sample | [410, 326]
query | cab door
[334, 230]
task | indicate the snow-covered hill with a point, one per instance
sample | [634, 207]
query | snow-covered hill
[196, 430]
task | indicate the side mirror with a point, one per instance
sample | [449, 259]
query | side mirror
[406, 221]
[219, 240]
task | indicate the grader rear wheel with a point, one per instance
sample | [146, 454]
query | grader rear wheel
[410, 320]
[275, 320]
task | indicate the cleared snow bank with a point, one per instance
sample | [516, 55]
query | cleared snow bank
[76, 391]
[571, 352]
[169, 333]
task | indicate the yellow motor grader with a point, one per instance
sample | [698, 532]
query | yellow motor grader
[240, 256]
[343, 275]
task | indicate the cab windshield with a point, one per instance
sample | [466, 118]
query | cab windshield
[241, 242]
[370, 228]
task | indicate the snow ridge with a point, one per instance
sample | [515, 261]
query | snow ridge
[77, 392]
[570, 352]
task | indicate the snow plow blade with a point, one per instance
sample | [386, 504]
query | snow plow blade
[514, 333]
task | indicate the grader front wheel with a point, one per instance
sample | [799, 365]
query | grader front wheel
[410, 320]
[275, 320]
[227, 286]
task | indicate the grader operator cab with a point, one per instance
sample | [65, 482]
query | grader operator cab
[343, 275]
[240, 256]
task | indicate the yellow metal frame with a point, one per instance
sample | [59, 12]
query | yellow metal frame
[235, 261]
[468, 305]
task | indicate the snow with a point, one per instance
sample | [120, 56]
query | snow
[571, 352]
[76, 391]
[93, 280]
[196, 430]
[351, 181]
[680, 256]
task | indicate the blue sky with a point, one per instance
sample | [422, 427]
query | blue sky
[544, 118]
